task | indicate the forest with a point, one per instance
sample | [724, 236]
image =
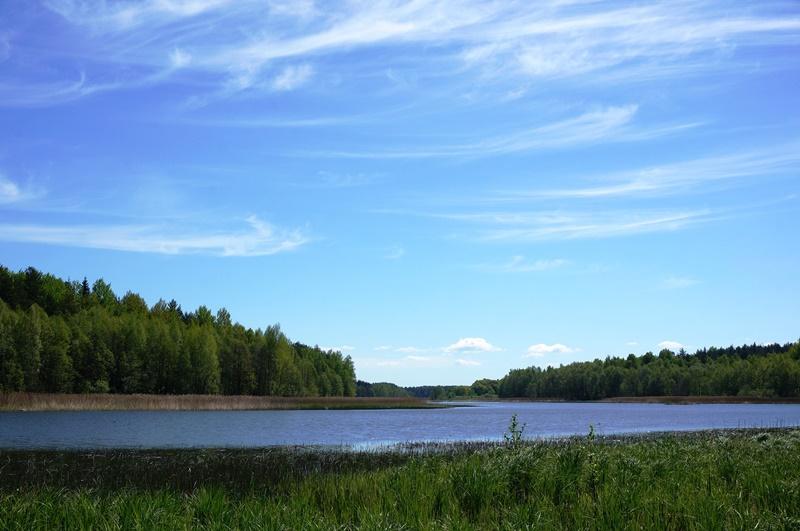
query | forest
[62, 336]
[749, 370]
[766, 371]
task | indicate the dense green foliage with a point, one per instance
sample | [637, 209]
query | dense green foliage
[754, 370]
[60, 336]
[381, 389]
[484, 388]
[769, 371]
[714, 480]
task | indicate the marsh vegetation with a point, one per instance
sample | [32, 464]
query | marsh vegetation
[108, 402]
[710, 480]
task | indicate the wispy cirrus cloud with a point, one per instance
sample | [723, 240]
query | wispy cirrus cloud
[36, 94]
[679, 177]
[9, 191]
[678, 282]
[259, 239]
[536, 43]
[124, 16]
[536, 226]
[590, 225]
[610, 124]
[518, 264]
[292, 77]
[395, 252]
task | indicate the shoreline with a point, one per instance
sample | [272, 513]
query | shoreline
[678, 400]
[168, 467]
[29, 402]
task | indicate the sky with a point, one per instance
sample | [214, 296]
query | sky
[442, 190]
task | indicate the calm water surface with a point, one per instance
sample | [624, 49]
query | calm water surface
[195, 429]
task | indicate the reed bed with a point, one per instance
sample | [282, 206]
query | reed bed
[737, 479]
[85, 402]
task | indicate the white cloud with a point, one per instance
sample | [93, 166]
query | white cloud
[394, 253]
[540, 225]
[468, 363]
[518, 264]
[542, 349]
[604, 125]
[383, 348]
[292, 77]
[110, 17]
[179, 58]
[632, 344]
[678, 282]
[471, 345]
[302, 9]
[677, 177]
[341, 180]
[37, 93]
[260, 239]
[409, 350]
[593, 225]
[9, 191]
[493, 43]
[418, 358]
[342, 348]
[671, 345]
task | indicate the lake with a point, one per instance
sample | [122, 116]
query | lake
[364, 428]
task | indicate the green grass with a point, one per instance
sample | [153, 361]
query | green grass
[712, 480]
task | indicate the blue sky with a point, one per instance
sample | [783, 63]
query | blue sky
[443, 190]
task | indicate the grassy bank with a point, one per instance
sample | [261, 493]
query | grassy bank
[712, 480]
[86, 402]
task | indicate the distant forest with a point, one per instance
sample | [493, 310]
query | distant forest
[749, 370]
[69, 336]
[66, 336]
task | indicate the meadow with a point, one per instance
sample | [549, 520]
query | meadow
[736, 479]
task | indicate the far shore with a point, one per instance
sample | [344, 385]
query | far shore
[703, 400]
[113, 402]
[145, 402]
[695, 399]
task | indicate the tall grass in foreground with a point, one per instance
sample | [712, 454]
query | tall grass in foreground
[82, 402]
[714, 480]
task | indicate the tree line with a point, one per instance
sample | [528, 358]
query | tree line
[748, 370]
[68, 336]
[484, 388]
